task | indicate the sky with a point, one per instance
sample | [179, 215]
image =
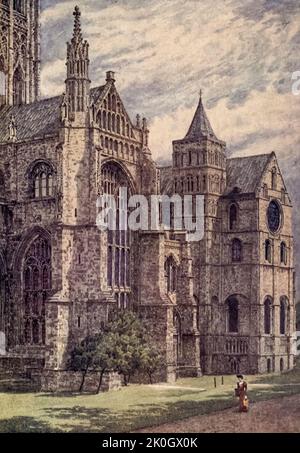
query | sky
[241, 53]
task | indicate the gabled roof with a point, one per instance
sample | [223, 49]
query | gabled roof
[37, 119]
[245, 173]
[200, 126]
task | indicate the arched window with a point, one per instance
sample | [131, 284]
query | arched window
[283, 253]
[19, 6]
[109, 121]
[118, 125]
[104, 125]
[274, 178]
[232, 315]
[36, 289]
[233, 216]
[236, 250]
[281, 365]
[113, 122]
[268, 251]
[113, 102]
[283, 310]
[119, 240]
[170, 274]
[41, 181]
[18, 87]
[267, 316]
[268, 365]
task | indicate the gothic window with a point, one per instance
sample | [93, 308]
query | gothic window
[126, 151]
[233, 212]
[268, 251]
[127, 130]
[18, 87]
[269, 369]
[267, 316]
[113, 122]
[283, 253]
[36, 289]
[118, 124]
[41, 181]
[111, 144]
[19, 6]
[170, 275]
[122, 149]
[106, 142]
[236, 250]
[119, 241]
[104, 120]
[283, 310]
[190, 158]
[113, 103]
[281, 365]
[232, 315]
[109, 102]
[109, 121]
[123, 126]
[116, 146]
[274, 179]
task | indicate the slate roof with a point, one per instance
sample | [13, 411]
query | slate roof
[200, 126]
[37, 119]
[245, 173]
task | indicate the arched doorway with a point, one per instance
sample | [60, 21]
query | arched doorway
[36, 287]
[119, 241]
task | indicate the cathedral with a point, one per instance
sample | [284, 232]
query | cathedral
[221, 305]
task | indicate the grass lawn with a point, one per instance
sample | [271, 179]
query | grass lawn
[136, 406]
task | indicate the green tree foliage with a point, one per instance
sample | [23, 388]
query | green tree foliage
[122, 346]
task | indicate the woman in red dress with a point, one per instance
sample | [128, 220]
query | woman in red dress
[241, 392]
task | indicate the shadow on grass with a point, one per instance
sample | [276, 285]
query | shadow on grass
[83, 419]
[25, 425]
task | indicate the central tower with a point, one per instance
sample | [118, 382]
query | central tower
[19, 51]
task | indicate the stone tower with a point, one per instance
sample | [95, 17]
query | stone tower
[199, 167]
[19, 51]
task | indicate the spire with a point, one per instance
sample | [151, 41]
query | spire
[200, 126]
[77, 35]
[77, 83]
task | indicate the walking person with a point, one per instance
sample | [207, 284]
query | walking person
[241, 392]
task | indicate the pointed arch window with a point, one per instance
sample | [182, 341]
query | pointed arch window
[41, 181]
[268, 315]
[236, 250]
[283, 253]
[36, 290]
[232, 315]
[119, 241]
[170, 274]
[18, 87]
[233, 216]
[283, 315]
[268, 251]
[19, 6]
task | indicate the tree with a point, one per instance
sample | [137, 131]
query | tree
[82, 357]
[151, 362]
[104, 358]
[130, 336]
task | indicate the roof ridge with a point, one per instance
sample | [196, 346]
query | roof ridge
[250, 156]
